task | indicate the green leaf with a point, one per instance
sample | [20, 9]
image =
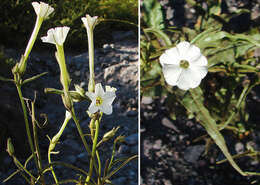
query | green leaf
[160, 34]
[153, 15]
[202, 114]
[34, 78]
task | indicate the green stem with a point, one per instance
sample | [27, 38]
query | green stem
[242, 97]
[29, 136]
[80, 131]
[53, 143]
[19, 165]
[93, 151]
[36, 143]
[112, 157]
[99, 166]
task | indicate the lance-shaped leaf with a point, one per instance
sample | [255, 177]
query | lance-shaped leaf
[194, 104]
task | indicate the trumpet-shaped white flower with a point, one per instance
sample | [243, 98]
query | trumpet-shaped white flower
[90, 22]
[101, 100]
[42, 9]
[184, 66]
[56, 35]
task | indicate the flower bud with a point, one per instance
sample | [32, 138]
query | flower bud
[80, 90]
[119, 139]
[110, 134]
[10, 147]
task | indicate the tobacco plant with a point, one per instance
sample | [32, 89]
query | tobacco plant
[214, 70]
[100, 102]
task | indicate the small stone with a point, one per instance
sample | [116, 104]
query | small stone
[146, 100]
[239, 147]
[192, 153]
[158, 144]
[132, 139]
[77, 73]
[167, 123]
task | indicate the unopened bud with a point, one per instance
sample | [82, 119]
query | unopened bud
[120, 139]
[80, 90]
[10, 147]
[110, 134]
[15, 68]
[67, 102]
[22, 66]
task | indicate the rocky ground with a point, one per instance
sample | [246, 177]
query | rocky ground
[170, 154]
[116, 64]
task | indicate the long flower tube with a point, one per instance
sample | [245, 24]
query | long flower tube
[42, 11]
[90, 23]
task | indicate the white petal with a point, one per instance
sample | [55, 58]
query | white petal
[99, 91]
[188, 79]
[171, 56]
[183, 48]
[57, 35]
[111, 89]
[109, 97]
[200, 61]
[90, 22]
[92, 96]
[42, 9]
[50, 37]
[93, 108]
[61, 34]
[107, 109]
[171, 74]
[200, 70]
[193, 53]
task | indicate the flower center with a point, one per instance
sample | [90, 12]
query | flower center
[99, 101]
[184, 64]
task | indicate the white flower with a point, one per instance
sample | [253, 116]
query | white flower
[101, 100]
[184, 66]
[56, 35]
[90, 22]
[42, 9]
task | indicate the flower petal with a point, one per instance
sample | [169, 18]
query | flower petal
[171, 56]
[56, 35]
[90, 22]
[200, 70]
[99, 91]
[188, 79]
[183, 48]
[93, 108]
[107, 109]
[171, 74]
[193, 53]
[42, 9]
[200, 61]
[92, 96]
[109, 97]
